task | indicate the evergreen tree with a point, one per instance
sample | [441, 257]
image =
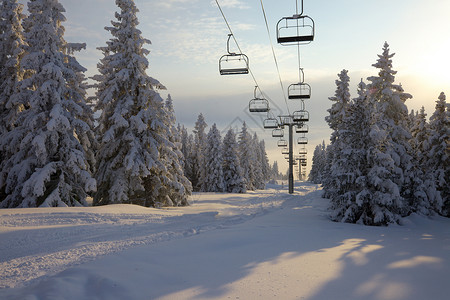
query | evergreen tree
[11, 52]
[247, 157]
[438, 154]
[318, 164]
[265, 166]
[232, 173]
[177, 186]
[420, 132]
[259, 181]
[214, 180]
[337, 113]
[135, 136]
[48, 165]
[391, 119]
[198, 174]
[275, 172]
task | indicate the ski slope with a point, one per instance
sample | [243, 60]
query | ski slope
[261, 245]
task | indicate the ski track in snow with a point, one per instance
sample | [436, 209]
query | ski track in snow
[37, 243]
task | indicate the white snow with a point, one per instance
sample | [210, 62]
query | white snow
[260, 245]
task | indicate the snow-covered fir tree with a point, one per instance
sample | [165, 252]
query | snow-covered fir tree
[12, 46]
[401, 186]
[197, 158]
[48, 164]
[177, 186]
[247, 157]
[136, 143]
[419, 143]
[260, 160]
[316, 174]
[438, 154]
[214, 178]
[232, 172]
[265, 166]
[275, 172]
[337, 113]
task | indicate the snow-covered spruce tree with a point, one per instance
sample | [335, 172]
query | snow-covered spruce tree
[135, 136]
[318, 164]
[438, 155]
[420, 132]
[49, 166]
[352, 202]
[265, 166]
[274, 171]
[177, 186]
[232, 172]
[198, 174]
[391, 118]
[335, 179]
[247, 157]
[214, 180]
[11, 52]
[259, 180]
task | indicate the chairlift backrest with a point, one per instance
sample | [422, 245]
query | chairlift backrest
[282, 143]
[278, 132]
[233, 64]
[295, 30]
[301, 128]
[300, 116]
[302, 140]
[258, 105]
[303, 151]
[270, 123]
[299, 91]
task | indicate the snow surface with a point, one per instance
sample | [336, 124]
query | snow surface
[261, 245]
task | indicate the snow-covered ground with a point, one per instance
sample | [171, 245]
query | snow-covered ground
[261, 245]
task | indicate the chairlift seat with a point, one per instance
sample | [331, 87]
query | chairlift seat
[299, 91]
[302, 140]
[303, 151]
[294, 39]
[295, 30]
[301, 128]
[258, 105]
[277, 133]
[270, 123]
[233, 64]
[282, 143]
[300, 116]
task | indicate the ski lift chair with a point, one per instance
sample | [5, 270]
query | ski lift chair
[303, 140]
[258, 104]
[278, 132]
[233, 63]
[270, 123]
[301, 128]
[299, 91]
[303, 151]
[285, 150]
[282, 143]
[300, 116]
[295, 30]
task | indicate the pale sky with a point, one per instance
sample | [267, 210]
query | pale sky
[189, 36]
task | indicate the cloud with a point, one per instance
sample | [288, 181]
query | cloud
[232, 4]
